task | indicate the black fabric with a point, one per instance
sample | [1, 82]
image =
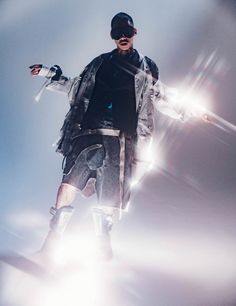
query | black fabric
[113, 103]
[121, 20]
[127, 31]
[97, 156]
[58, 72]
[154, 69]
[77, 113]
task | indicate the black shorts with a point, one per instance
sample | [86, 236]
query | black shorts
[107, 159]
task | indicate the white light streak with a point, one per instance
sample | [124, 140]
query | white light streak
[221, 123]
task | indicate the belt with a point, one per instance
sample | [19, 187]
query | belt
[105, 132]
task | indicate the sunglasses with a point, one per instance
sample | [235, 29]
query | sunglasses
[120, 32]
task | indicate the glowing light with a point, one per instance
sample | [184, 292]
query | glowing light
[196, 103]
[188, 101]
[221, 123]
[77, 278]
[134, 183]
[151, 159]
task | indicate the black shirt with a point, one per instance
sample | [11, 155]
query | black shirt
[113, 103]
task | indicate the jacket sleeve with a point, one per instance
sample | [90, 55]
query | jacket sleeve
[164, 97]
[142, 160]
[169, 102]
[165, 101]
[63, 85]
[66, 85]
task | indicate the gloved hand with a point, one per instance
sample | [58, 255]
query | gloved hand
[35, 69]
[57, 72]
[53, 73]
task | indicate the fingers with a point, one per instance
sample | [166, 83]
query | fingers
[54, 73]
[35, 69]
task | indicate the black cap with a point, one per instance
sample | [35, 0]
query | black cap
[121, 20]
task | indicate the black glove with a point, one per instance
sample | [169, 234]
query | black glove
[54, 73]
[58, 72]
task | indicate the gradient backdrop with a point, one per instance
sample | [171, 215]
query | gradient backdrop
[178, 239]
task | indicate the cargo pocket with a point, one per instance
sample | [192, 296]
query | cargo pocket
[95, 156]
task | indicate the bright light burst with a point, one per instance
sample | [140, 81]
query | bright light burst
[75, 278]
[188, 102]
[84, 281]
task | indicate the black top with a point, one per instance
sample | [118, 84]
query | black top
[113, 103]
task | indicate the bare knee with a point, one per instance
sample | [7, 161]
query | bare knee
[65, 195]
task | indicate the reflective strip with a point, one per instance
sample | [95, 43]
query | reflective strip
[122, 167]
[105, 132]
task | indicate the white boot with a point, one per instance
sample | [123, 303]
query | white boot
[61, 218]
[103, 223]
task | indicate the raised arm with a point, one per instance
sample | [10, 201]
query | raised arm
[171, 102]
[55, 80]
[165, 101]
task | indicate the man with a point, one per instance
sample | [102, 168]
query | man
[107, 131]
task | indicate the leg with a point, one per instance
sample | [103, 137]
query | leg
[62, 213]
[103, 218]
[113, 189]
[65, 195]
[109, 192]
[77, 176]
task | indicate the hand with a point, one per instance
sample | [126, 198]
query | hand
[54, 73]
[57, 72]
[205, 117]
[35, 69]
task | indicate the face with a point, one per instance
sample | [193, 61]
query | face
[124, 43]
[124, 37]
